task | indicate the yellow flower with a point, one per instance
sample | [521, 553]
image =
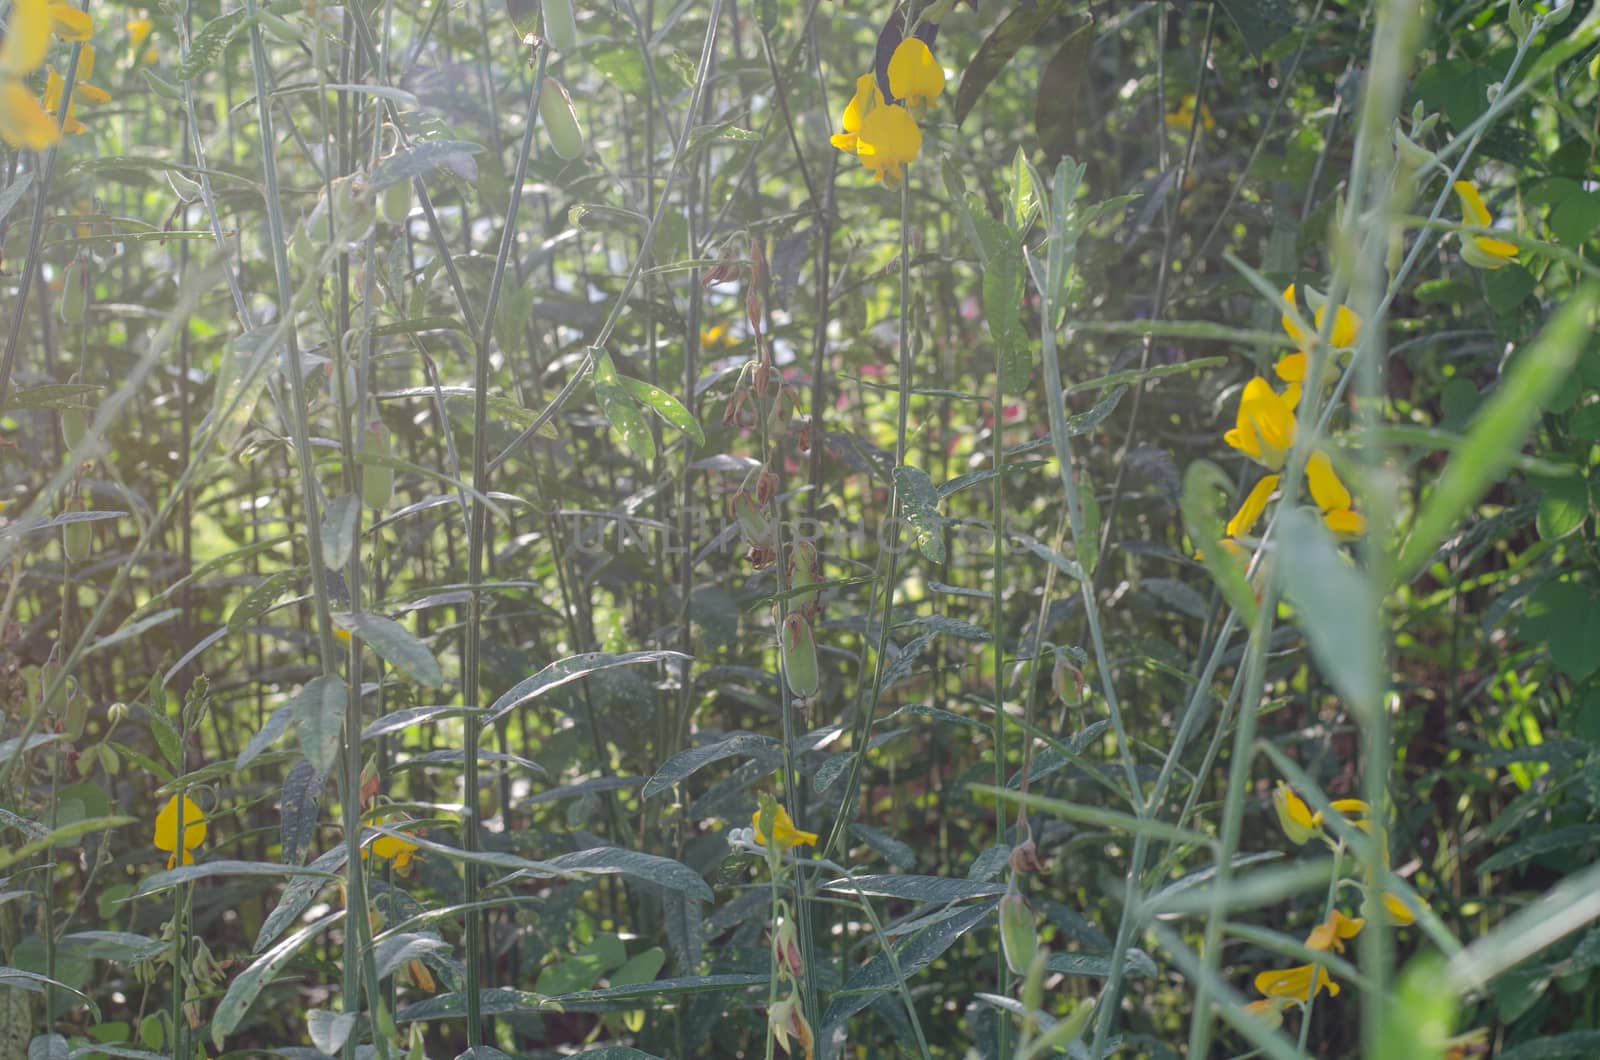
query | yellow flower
[784, 834]
[23, 123]
[915, 77]
[1332, 497]
[395, 849]
[1182, 118]
[1293, 814]
[1249, 513]
[889, 139]
[1399, 912]
[1483, 252]
[718, 335]
[138, 30]
[194, 830]
[866, 98]
[1331, 933]
[1265, 430]
[342, 636]
[1346, 329]
[69, 23]
[1299, 983]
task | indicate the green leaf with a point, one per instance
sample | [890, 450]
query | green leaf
[583, 969]
[1338, 608]
[1540, 844]
[1499, 430]
[569, 669]
[628, 996]
[422, 160]
[920, 503]
[339, 530]
[666, 406]
[208, 44]
[328, 1030]
[52, 395]
[646, 868]
[274, 727]
[9, 197]
[240, 379]
[1506, 287]
[626, 419]
[1577, 216]
[934, 889]
[1563, 508]
[122, 946]
[1098, 965]
[1565, 617]
[166, 880]
[396, 950]
[319, 710]
[396, 645]
[243, 990]
[1017, 29]
[912, 955]
[1003, 280]
[685, 764]
[298, 808]
[74, 830]
[260, 599]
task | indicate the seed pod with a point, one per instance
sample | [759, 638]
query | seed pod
[757, 531]
[78, 540]
[1018, 938]
[74, 426]
[800, 657]
[560, 25]
[395, 204]
[74, 292]
[805, 569]
[561, 126]
[377, 483]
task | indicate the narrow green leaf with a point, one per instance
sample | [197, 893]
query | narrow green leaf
[685, 764]
[571, 668]
[1338, 608]
[319, 710]
[920, 503]
[243, 990]
[626, 419]
[398, 647]
[666, 406]
[339, 530]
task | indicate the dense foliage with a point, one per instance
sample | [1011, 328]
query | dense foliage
[627, 529]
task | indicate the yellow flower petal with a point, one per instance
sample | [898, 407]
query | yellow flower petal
[1299, 983]
[1398, 911]
[914, 75]
[1265, 427]
[1291, 367]
[23, 122]
[194, 827]
[27, 39]
[1249, 513]
[784, 834]
[69, 23]
[1473, 211]
[1331, 933]
[1293, 814]
[1326, 489]
[138, 31]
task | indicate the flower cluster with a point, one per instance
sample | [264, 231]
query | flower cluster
[884, 134]
[24, 121]
[786, 1017]
[1265, 429]
[1283, 987]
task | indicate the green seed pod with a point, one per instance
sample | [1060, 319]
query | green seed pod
[78, 539]
[800, 657]
[805, 569]
[280, 29]
[1069, 1030]
[74, 293]
[1018, 937]
[561, 126]
[74, 426]
[395, 204]
[560, 26]
[377, 483]
[754, 525]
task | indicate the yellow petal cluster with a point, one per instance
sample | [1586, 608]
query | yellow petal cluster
[785, 836]
[24, 122]
[1482, 252]
[1265, 427]
[394, 849]
[885, 136]
[1183, 117]
[166, 829]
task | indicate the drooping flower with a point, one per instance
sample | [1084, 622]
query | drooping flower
[866, 98]
[1398, 912]
[1332, 497]
[69, 23]
[138, 30]
[1268, 1010]
[1293, 814]
[1255, 503]
[23, 122]
[785, 1019]
[1483, 252]
[1183, 117]
[915, 76]
[785, 836]
[889, 139]
[1265, 428]
[395, 849]
[1300, 983]
[166, 828]
[1343, 335]
[55, 87]
[1331, 933]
